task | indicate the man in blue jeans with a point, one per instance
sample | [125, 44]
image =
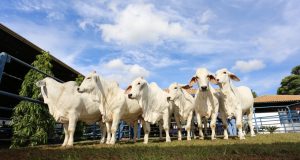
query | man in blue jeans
[138, 131]
[120, 130]
[231, 127]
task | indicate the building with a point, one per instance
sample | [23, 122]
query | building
[281, 111]
[18, 47]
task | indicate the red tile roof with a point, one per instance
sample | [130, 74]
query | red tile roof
[277, 98]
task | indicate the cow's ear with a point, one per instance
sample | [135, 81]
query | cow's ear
[40, 83]
[44, 91]
[143, 85]
[234, 77]
[186, 86]
[212, 79]
[97, 79]
[193, 81]
[128, 89]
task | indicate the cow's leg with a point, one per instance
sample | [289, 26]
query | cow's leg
[146, 127]
[114, 127]
[188, 126]
[166, 120]
[213, 125]
[108, 129]
[199, 121]
[71, 130]
[225, 126]
[205, 126]
[177, 119]
[160, 128]
[239, 124]
[250, 123]
[135, 130]
[103, 130]
[66, 125]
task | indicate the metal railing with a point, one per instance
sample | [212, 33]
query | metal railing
[6, 58]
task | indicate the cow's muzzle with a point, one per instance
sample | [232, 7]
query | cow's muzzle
[80, 91]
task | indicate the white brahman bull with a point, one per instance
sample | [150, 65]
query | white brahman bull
[183, 107]
[114, 104]
[237, 100]
[67, 106]
[206, 102]
[154, 103]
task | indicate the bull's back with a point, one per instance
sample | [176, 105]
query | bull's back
[246, 97]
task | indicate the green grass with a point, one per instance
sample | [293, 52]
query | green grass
[271, 146]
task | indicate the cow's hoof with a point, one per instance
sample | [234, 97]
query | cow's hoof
[226, 138]
[189, 139]
[242, 138]
[213, 139]
[145, 142]
[69, 146]
[179, 139]
[253, 135]
[201, 138]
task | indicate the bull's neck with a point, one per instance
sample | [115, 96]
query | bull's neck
[103, 86]
[144, 98]
[226, 88]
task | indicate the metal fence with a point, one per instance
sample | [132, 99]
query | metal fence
[5, 130]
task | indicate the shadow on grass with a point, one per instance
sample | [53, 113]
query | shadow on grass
[230, 151]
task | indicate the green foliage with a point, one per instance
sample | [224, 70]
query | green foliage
[296, 70]
[32, 122]
[79, 79]
[254, 93]
[270, 129]
[291, 84]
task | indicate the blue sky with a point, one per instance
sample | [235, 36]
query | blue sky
[165, 41]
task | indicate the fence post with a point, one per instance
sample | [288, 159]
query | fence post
[290, 118]
[94, 131]
[4, 58]
[256, 126]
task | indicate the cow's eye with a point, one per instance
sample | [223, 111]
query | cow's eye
[88, 78]
[175, 87]
[139, 83]
[224, 72]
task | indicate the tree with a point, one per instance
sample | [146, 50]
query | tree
[254, 93]
[296, 70]
[79, 79]
[32, 122]
[291, 84]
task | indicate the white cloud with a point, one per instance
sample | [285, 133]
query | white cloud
[54, 9]
[280, 41]
[248, 66]
[148, 58]
[207, 16]
[141, 23]
[117, 70]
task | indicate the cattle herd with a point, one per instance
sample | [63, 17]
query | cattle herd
[101, 100]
